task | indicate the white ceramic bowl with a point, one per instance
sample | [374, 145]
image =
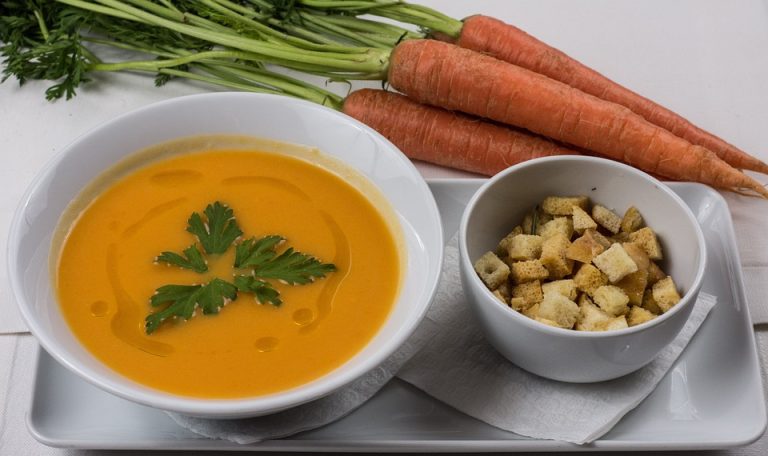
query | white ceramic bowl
[569, 355]
[280, 118]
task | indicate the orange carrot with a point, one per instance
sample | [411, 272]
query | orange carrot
[506, 42]
[459, 79]
[449, 139]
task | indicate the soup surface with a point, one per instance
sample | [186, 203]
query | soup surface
[106, 273]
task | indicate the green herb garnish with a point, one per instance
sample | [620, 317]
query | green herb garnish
[192, 259]
[219, 230]
[291, 267]
[257, 261]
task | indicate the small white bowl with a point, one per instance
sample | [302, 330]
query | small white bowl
[568, 355]
[279, 118]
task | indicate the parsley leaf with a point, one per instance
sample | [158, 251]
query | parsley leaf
[291, 267]
[218, 231]
[262, 290]
[182, 301]
[192, 259]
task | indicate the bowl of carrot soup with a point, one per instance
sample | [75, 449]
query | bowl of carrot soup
[225, 255]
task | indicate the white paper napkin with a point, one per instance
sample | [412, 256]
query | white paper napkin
[460, 368]
[750, 218]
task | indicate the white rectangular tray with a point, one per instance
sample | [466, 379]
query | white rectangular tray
[712, 398]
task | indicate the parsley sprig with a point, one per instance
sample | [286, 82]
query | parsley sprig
[257, 261]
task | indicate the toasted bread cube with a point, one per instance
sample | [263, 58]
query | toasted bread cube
[638, 316]
[501, 249]
[505, 290]
[565, 287]
[560, 309]
[650, 304]
[606, 218]
[638, 255]
[528, 271]
[611, 299]
[604, 241]
[632, 220]
[548, 322]
[664, 293]
[500, 296]
[534, 221]
[615, 263]
[591, 317]
[582, 221]
[492, 271]
[648, 241]
[619, 322]
[562, 205]
[553, 256]
[558, 225]
[619, 237]
[585, 248]
[530, 292]
[517, 304]
[532, 312]
[655, 273]
[524, 247]
[634, 286]
[588, 279]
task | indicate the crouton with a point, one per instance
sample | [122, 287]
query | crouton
[634, 285]
[632, 220]
[501, 249]
[500, 296]
[560, 309]
[530, 292]
[585, 248]
[558, 225]
[649, 303]
[591, 317]
[517, 304]
[611, 299]
[613, 324]
[638, 255]
[527, 271]
[637, 316]
[582, 221]
[532, 312]
[599, 238]
[547, 322]
[606, 218]
[562, 205]
[655, 273]
[664, 293]
[588, 279]
[492, 271]
[615, 263]
[566, 287]
[524, 247]
[553, 256]
[619, 237]
[646, 238]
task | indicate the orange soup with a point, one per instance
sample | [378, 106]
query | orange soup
[106, 271]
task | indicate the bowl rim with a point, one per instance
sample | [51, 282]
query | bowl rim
[234, 407]
[689, 296]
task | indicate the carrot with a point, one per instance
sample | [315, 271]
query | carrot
[506, 42]
[449, 139]
[454, 78]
